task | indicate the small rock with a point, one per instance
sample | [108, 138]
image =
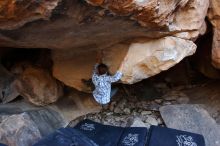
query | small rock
[117, 119]
[117, 110]
[135, 113]
[120, 106]
[122, 103]
[167, 103]
[127, 111]
[105, 123]
[139, 110]
[143, 113]
[110, 113]
[147, 125]
[112, 106]
[173, 95]
[159, 101]
[159, 121]
[151, 120]
[153, 107]
[183, 100]
[170, 98]
[136, 122]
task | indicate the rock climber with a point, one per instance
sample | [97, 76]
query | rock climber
[103, 80]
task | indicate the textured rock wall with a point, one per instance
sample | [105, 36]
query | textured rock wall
[38, 86]
[146, 37]
[22, 124]
[146, 56]
[214, 17]
[14, 13]
[18, 130]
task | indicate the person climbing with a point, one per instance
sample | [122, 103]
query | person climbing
[103, 80]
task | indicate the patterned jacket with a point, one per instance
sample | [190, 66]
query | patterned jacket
[103, 85]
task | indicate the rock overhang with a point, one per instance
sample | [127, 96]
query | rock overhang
[163, 31]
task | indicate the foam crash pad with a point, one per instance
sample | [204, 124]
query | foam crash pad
[105, 135]
[66, 137]
[160, 136]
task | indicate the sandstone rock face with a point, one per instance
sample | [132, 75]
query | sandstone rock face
[75, 26]
[18, 130]
[176, 15]
[145, 59]
[71, 68]
[214, 17]
[74, 19]
[145, 37]
[38, 86]
[14, 14]
[139, 60]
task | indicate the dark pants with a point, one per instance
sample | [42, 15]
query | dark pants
[113, 92]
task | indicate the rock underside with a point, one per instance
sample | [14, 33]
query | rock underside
[144, 37]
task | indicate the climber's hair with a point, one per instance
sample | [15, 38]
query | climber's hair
[102, 69]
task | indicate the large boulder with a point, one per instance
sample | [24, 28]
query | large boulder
[146, 59]
[18, 130]
[22, 124]
[192, 118]
[139, 60]
[38, 86]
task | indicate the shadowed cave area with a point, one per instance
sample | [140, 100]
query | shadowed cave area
[192, 81]
[167, 52]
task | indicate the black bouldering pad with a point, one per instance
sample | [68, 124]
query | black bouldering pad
[160, 136]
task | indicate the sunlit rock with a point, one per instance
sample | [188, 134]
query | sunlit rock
[148, 58]
[182, 15]
[139, 60]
